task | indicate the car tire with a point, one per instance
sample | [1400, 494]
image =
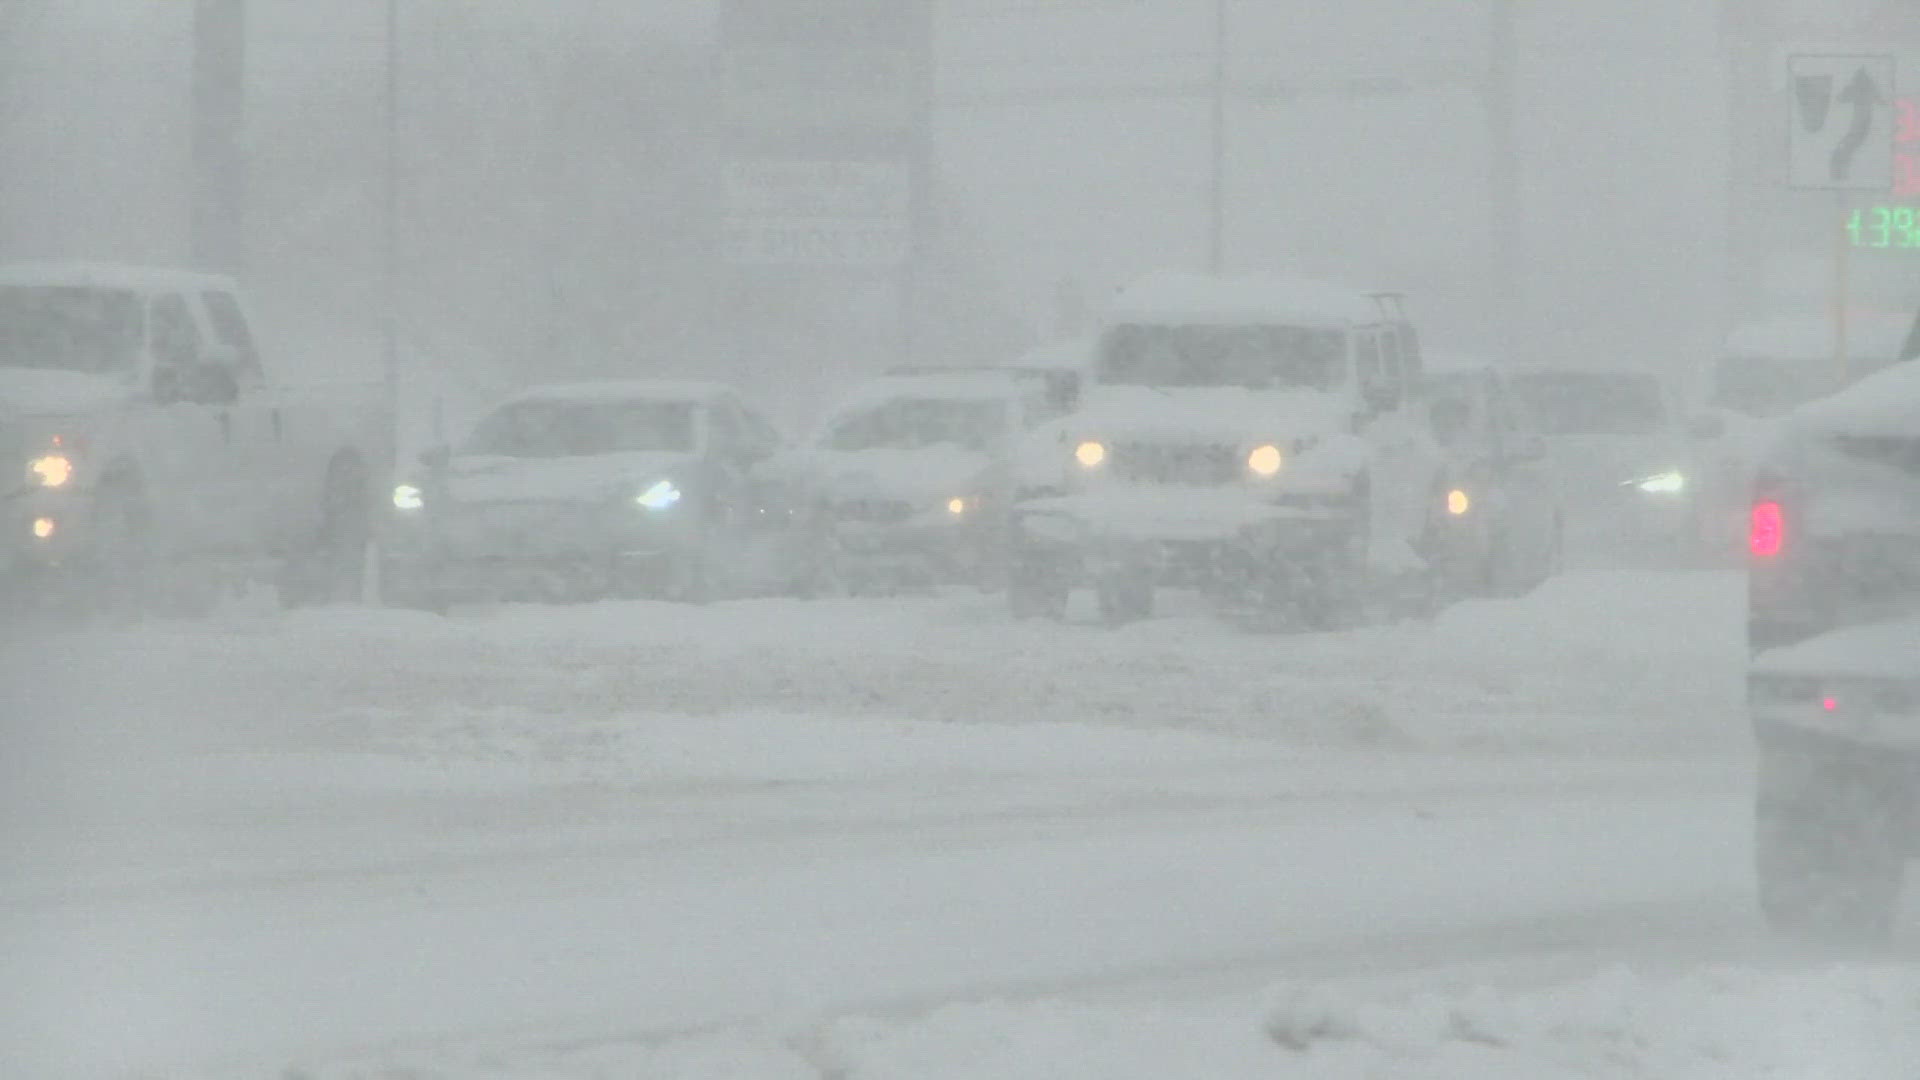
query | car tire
[1827, 873]
[332, 568]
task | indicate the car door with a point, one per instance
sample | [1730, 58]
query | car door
[196, 479]
[276, 434]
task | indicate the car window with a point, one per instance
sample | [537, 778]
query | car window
[230, 324]
[176, 340]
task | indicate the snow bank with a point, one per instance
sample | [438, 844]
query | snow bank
[1857, 1022]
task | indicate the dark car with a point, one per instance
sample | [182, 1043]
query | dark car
[1834, 686]
[590, 490]
[1499, 526]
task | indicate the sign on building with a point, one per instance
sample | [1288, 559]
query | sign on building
[825, 107]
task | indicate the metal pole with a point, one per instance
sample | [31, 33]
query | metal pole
[1503, 181]
[1842, 286]
[390, 347]
[219, 108]
[1217, 195]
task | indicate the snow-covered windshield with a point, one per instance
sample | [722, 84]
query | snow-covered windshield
[916, 423]
[69, 328]
[552, 429]
[1256, 357]
[1593, 402]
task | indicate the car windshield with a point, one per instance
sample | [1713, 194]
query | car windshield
[915, 423]
[69, 328]
[1256, 357]
[552, 429]
[1593, 402]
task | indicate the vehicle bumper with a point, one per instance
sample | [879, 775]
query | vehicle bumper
[944, 547]
[1193, 540]
[437, 560]
[22, 551]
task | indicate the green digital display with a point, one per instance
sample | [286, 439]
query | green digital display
[1885, 227]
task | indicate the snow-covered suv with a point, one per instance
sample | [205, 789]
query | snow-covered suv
[1834, 689]
[154, 454]
[1256, 439]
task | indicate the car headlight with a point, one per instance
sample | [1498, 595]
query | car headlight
[660, 496]
[1090, 454]
[1265, 460]
[958, 506]
[1459, 503]
[51, 471]
[408, 497]
[1666, 483]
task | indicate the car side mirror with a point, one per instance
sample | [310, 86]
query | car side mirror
[1707, 427]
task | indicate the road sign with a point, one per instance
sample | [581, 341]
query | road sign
[1841, 114]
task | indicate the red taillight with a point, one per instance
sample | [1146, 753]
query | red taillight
[1767, 530]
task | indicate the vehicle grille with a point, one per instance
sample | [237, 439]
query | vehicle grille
[1175, 463]
[873, 511]
[526, 529]
[1894, 451]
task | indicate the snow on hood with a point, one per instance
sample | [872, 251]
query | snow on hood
[33, 392]
[934, 472]
[485, 478]
[1879, 650]
[1230, 415]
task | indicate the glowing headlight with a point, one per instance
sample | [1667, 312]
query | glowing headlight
[1090, 454]
[660, 496]
[54, 470]
[1459, 503]
[408, 497]
[44, 528]
[956, 506]
[1265, 460]
[1666, 483]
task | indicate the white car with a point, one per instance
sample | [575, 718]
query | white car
[1619, 452]
[1255, 439]
[152, 445]
[582, 491]
[1834, 623]
[912, 473]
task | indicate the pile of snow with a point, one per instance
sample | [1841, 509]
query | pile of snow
[1857, 1022]
[1606, 662]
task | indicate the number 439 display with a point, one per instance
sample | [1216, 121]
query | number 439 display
[1884, 227]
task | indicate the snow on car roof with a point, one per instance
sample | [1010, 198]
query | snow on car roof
[1242, 300]
[1878, 337]
[140, 279]
[614, 390]
[1884, 403]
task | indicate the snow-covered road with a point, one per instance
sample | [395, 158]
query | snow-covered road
[885, 839]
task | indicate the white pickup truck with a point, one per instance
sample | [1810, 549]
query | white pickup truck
[148, 446]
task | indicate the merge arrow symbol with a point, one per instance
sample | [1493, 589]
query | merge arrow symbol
[1865, 97]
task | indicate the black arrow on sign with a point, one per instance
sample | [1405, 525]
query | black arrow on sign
[1864, 95]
